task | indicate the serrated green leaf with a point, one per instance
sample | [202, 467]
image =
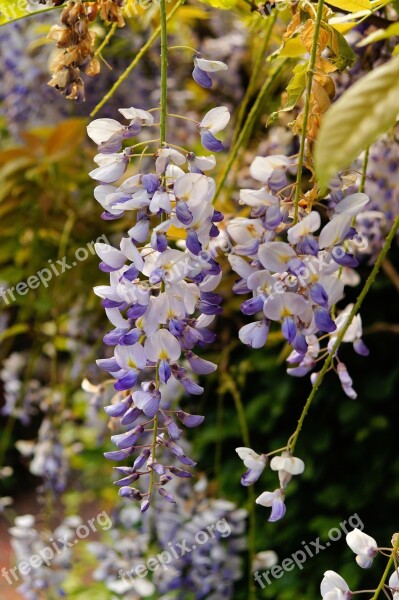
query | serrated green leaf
[295, 89]
[364, 112]
[351, 5]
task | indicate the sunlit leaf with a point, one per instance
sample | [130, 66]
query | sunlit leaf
[344, 55]
[293, 48]
[351, 5]
[295, 89]
[364, 112]
[223, 4]
[380, 34]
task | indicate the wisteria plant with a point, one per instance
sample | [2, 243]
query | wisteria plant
[245, 164]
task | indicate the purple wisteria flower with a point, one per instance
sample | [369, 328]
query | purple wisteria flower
[295, 273]
[161, 297]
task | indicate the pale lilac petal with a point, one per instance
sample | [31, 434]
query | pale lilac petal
[101, 130]
[216, 119]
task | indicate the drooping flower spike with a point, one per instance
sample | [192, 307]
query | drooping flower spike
[160, 300]
[294, 274]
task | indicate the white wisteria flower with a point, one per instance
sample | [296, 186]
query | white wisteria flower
[214, 121]
[275, 501]
[364, 546]
[334, 587]
[287, 466]
[394, 584]
[254, 462]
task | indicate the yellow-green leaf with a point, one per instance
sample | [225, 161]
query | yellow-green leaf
[380, 34]
[295, 89]
[364, 112]
[351, 5]
[11, 10]
[223, 4]
[293, 48]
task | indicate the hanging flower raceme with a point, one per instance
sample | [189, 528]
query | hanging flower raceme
[286, 466]
[161, 299]
[295, 273]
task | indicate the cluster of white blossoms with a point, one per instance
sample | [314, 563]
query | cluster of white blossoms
[334, 587]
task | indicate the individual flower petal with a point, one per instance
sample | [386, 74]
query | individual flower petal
[137, 113]
[275, 256]
[263, 167]
[210, 66]
[254, 334]
[101, 130]
[352, 204]
[334, 232]
[394, 584]
[335, 585]
[202, 78]
[216, 119]
[308, 225]
[110, 255]
[162, 346]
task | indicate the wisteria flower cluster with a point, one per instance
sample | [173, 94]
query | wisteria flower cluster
[28, 541]
[161, 299]
[295, 275]
[193, 569]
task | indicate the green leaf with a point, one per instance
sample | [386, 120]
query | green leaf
[344, 55]
[364, 112]
[351, 5]
[222, 4]
[13, 331]
[380, 34]
[295, 89]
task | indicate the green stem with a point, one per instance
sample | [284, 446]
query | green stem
[106, 39]
[364, 170]
[306, 110]
[251, 494]
[340, 337]
[134, 63]
[164, 70]
[248, 126]
[6, 437]
[163, 115]
[387, 569]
